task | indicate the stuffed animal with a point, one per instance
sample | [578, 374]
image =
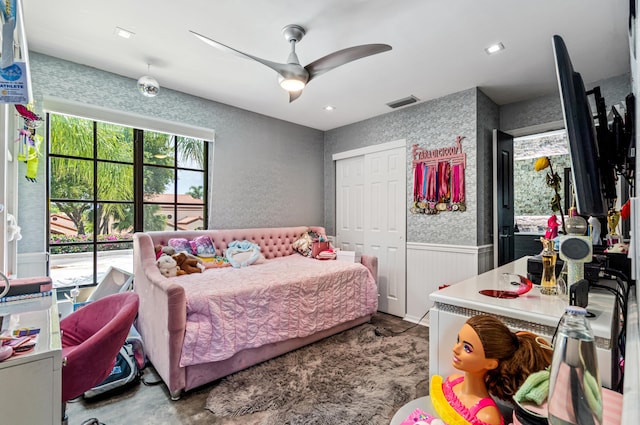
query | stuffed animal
[168, 266]
[13, 230]
[168, 250]
[242, 253]
[187, 264]
[163, 250]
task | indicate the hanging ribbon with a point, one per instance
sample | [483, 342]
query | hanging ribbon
[424, 181]
[417, 182]
[457, 186]
[457, 183]
[432, 184]
[444, 174]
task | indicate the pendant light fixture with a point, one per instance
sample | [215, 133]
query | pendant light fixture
[147, 85]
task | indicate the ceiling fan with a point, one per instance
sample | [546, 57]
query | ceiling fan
[293, 76]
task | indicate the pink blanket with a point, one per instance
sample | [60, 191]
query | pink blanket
[231, 309]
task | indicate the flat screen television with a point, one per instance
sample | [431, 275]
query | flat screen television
[592, 178]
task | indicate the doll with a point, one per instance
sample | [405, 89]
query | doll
[494, 362]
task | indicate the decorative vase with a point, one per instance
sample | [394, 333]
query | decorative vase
[548, 281]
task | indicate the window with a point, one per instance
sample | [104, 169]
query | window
[532, 196]
[174, 174]
[107, 181]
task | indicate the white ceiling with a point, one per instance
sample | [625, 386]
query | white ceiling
[438, 48]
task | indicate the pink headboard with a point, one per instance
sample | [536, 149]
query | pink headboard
[273, 241]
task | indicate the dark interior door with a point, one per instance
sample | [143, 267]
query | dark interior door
[504, 185]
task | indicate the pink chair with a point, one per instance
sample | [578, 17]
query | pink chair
[91, 339]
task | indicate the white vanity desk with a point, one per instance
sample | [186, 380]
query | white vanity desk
[31, 383]
[530, 312]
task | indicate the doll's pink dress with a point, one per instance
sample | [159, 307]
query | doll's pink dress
[469, 414]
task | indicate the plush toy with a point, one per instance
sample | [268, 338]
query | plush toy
[13, 230]
[168, 266]
[187, 264]
[164, 250]
[168, 250]
[242, 253]
[158, 250]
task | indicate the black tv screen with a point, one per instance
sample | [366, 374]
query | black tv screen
[583, 144]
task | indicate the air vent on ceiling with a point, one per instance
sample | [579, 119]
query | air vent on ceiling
[402, 102]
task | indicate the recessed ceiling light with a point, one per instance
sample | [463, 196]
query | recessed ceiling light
[494, 48]
[329, 108]
[121, 32]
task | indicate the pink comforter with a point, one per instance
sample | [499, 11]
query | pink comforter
[231, 309]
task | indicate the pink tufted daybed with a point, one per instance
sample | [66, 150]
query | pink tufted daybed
[199, 327]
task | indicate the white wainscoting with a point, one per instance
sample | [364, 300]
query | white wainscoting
[432, 265]
[32, 264]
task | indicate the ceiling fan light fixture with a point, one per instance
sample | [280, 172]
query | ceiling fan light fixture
[148, 86]
[291, 83]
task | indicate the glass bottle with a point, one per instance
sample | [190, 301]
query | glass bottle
[575, 394]
[548, 279]
[562, 282]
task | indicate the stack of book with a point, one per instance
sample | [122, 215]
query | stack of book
[27, 288]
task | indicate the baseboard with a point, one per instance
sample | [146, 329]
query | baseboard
[417, 320]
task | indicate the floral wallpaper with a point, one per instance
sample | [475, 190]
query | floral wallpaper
[260, 164]
[276, 150]
[432, 124]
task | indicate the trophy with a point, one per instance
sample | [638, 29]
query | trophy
[613, 218]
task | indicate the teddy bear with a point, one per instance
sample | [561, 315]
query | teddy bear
[168, 266]
[187, 264]
[163, 250]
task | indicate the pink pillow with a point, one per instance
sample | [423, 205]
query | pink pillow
[181, 245]
[202, 246]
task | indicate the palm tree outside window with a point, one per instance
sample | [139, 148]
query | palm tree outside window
[107, 181]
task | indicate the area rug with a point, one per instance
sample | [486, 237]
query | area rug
[360, 376]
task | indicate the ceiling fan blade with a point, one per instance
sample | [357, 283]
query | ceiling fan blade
[341, 57]
[280, 68]
[293, 95]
